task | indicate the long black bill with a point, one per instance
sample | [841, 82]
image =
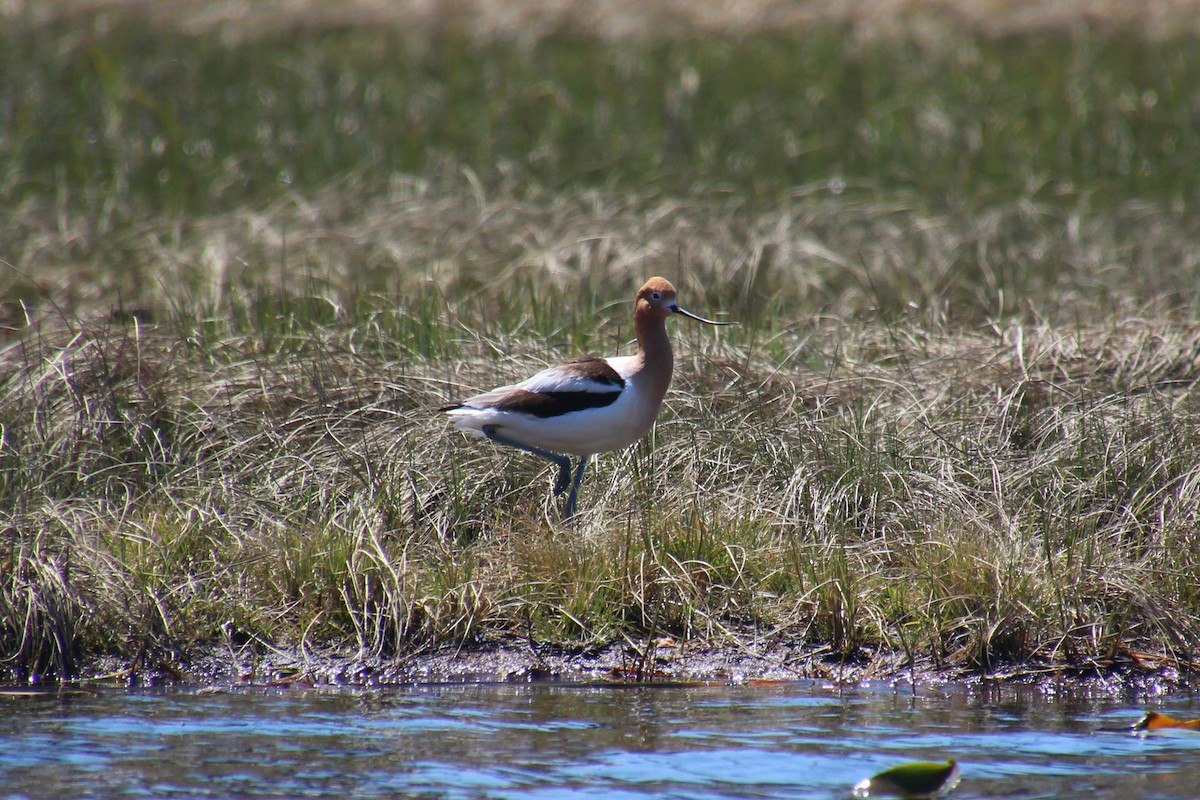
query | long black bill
[690, 315]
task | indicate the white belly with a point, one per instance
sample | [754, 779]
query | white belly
[579, 433]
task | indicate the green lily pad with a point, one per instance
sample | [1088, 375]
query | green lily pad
[914, 779]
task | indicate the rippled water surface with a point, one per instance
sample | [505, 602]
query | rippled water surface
[800, 740]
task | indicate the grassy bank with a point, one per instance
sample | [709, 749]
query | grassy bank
[958, 419]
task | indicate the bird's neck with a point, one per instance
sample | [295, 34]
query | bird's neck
[654, 353]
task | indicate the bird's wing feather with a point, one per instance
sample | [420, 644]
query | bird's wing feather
[574, 385]
[587, 374]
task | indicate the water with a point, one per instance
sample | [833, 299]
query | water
[800, 740]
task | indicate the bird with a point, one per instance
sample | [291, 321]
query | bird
[588, 404]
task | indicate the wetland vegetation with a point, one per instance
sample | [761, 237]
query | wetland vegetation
[957, 426]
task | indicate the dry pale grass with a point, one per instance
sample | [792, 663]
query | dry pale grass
[483, 254]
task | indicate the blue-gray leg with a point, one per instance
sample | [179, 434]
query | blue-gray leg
[564, 463]
[575, 487]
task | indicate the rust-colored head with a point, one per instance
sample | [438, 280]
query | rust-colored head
[656, 300]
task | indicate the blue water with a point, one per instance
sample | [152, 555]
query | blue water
[800, 740]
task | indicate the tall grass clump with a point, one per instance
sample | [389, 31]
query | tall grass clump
[956, 427]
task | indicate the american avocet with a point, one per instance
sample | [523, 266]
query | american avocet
[585, 405]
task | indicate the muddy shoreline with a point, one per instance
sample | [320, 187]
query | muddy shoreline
[665, 662]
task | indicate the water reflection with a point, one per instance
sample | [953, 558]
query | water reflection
[789, 741]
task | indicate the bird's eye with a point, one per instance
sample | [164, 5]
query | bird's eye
[656, 295]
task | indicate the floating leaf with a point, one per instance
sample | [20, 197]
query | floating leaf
[914, 779]
[1154, 721]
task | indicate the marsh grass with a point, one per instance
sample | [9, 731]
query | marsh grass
[1019, 495]
[110, 117]
[958, 419]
